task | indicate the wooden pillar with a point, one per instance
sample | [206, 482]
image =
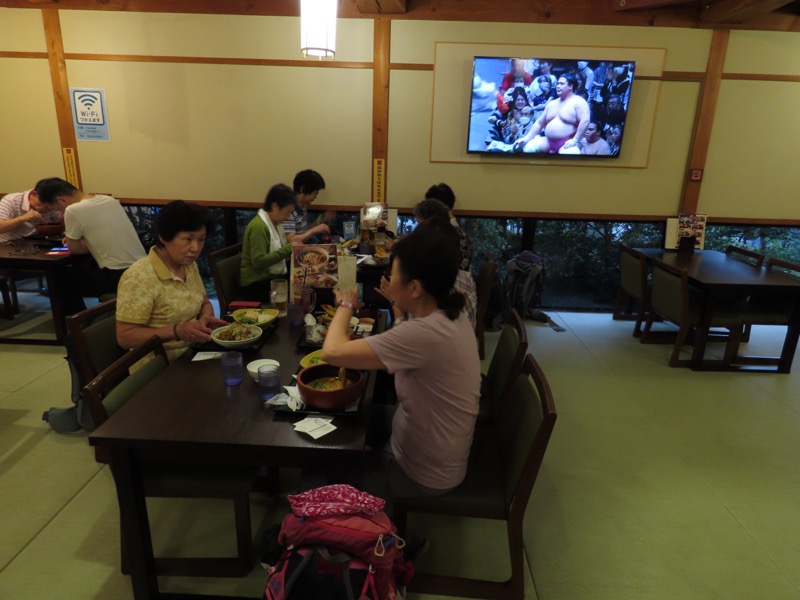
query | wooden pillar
[704, 121]
[58, 76]
[380, 106]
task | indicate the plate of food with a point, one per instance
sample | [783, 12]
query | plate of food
[236, 335]
[315, 358]
[255, 316]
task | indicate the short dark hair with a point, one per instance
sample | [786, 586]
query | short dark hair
[431, 208]
[572, 80]
[51, 188]
[443, 193]
[280, 194]
[308, 182]
[180, 215]
[430, 254]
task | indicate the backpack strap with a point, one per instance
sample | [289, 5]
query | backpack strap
[289, 583]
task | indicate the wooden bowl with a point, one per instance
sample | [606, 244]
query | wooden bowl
[329, 400]
[49, 228]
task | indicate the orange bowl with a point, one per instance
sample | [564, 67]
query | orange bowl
[332, 399]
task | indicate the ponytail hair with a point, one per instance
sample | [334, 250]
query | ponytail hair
[430, 254]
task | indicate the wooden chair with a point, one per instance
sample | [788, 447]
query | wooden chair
[94, 335]
[107, 393]
[225, 264]
[504, 368]
[672, 300]
[486, 275]
[745, 255]
[10, 299]
[752, 258]
[501, 473]
[634, 288]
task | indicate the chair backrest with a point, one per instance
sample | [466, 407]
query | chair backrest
[225, 264]
[745, 255]
[506, 363]
[633, 273]
[523, 433]
[776, 264]
[94, 335]
[112, 388]
[483, 285]
[670, 293]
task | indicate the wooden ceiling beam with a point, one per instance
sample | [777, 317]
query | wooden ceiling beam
[738, 11]
[381, 7]
[646, 4]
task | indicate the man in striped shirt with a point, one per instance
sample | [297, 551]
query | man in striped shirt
[20, 212]
[307, 185]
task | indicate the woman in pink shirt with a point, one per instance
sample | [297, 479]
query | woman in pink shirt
[433, 355]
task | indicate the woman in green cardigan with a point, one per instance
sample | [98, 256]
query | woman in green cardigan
[264, 247]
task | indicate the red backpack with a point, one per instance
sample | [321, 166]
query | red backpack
[339, 544]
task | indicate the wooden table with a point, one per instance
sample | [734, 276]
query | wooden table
[187, 415]
[25, 256]
[722, 277]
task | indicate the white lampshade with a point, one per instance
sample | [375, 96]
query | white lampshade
[318, 28]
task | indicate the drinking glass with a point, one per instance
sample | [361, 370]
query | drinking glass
[232, 369]
[269, 381]
[309, 299]
[279, 289]
[296, 313]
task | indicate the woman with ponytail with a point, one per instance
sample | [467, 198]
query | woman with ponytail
[433, 355]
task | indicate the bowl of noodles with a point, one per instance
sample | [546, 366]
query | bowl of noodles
[313, 258]
[326, 387]
[236, 335]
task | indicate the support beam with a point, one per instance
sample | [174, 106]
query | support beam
[646, 4]
[738, 11]
[381, 7]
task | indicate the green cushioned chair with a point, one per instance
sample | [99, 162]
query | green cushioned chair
[225, 265]
[483, 285]
[673, 300]
[500, 476]
[504, 368]
[94, 334]
[107, 393]
[634, 288]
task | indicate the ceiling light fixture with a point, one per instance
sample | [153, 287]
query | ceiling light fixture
[318, 28]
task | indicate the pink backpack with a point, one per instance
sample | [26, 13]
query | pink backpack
[338, 543]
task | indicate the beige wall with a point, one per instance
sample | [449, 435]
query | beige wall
[227, 132]
[752, 170]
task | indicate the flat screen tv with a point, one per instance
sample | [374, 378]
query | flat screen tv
[549, 107]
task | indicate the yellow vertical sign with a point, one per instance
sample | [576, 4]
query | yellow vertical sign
[70, 168]
[378, 177]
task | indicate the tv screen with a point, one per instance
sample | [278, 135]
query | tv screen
[549, 107]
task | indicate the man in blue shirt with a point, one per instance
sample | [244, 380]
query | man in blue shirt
[307, 185]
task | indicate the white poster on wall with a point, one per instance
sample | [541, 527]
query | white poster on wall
[90, 114]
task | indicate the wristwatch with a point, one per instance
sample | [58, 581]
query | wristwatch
[349, 305]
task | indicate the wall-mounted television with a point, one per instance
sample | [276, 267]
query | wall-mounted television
[549, 107]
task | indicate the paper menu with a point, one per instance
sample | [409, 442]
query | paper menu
[686, 225]
[314, 265]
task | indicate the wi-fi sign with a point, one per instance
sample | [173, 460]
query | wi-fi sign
[88, 100]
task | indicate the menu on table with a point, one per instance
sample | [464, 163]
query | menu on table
[686, 225]
[313, 265]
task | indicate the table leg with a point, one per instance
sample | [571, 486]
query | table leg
[790, 341]
[135, 524]
[701, 334]
[56, 306]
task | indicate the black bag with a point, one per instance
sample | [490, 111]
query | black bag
[524, 282]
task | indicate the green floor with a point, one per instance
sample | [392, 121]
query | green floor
[659, 483]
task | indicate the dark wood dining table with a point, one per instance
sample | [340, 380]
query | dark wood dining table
[187, 415]
[25, 255]
[722, 278]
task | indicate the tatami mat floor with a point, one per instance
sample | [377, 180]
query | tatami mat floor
[658, 483]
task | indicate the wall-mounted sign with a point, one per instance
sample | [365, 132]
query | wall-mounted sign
[90, 114]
